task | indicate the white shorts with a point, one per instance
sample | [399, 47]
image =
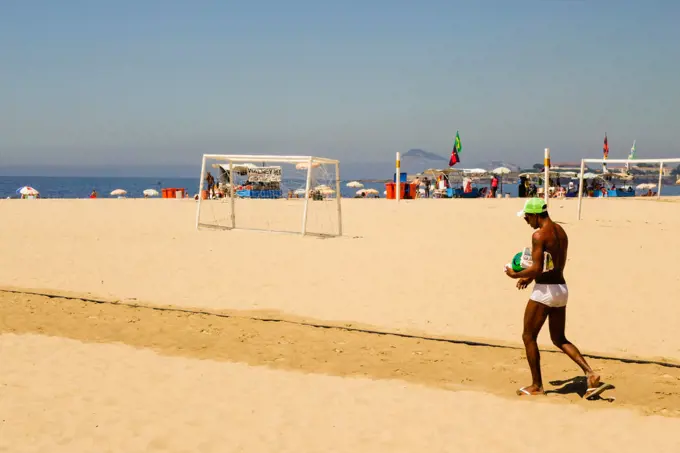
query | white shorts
[550, 295]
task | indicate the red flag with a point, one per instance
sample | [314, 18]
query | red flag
[454, 159]
[605, 148]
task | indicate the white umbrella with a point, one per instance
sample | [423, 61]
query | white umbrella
[324, 189]
[372, 191]
[28, 190]
[355, 184]
[646, 186]
[501, 171]
[118, 192]
[361, 192]
[299, 191]
[475, 170]
[150, 193]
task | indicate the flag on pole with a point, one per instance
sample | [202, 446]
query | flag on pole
[605, 151]
[457, 149]
[632, 151]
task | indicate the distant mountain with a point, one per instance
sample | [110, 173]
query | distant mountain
[417, 160]
[422, 154]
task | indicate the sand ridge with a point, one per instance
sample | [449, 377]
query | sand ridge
[651, 389]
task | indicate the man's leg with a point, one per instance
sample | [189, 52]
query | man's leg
[534, 317]
[556, 323]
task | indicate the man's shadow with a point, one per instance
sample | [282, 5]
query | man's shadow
[577, 385]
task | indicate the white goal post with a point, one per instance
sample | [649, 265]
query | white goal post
[628, 162]
[268, 191]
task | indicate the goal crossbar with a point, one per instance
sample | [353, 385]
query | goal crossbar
[670, 160]
[660, 161]
[265, 158]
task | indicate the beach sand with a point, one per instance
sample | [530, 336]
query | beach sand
[83, 376]
[428, 266]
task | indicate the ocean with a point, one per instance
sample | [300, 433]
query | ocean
[81, 187]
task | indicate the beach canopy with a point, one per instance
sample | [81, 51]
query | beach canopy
[355, 184]
[475, 171]
[118, 192]
[238, 168]
[150, 193]
[27, 190]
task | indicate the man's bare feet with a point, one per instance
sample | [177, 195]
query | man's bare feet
[593, 380]
[531, 390]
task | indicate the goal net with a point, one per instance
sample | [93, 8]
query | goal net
[642, 170]
[286, 194]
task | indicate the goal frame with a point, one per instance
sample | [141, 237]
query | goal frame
[232, 159]
[628, 162]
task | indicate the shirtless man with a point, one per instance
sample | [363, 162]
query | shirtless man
[549, 297]
[211, 184]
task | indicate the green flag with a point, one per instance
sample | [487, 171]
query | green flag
[632, 151]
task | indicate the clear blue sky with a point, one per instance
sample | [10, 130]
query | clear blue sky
[138, 82]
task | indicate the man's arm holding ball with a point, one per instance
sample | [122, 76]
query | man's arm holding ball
[526, 276]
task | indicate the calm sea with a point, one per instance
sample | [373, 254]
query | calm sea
[80, 187]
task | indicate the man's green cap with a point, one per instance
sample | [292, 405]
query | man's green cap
[533, 206]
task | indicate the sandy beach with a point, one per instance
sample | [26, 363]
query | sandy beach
[135, 378]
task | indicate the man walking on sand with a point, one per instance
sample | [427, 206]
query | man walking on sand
[549, 297]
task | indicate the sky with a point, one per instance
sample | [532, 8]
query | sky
[138, 82]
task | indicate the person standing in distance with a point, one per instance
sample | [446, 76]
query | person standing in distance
[549, 297]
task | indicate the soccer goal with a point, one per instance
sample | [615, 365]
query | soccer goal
[283, 194]
[630, 163]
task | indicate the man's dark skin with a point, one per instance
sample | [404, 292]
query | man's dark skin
[211, 184]
[548, 237]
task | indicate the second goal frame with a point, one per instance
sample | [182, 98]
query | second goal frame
[309, 161]
[660, 161]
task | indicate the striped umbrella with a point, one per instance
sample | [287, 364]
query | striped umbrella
[27, 190]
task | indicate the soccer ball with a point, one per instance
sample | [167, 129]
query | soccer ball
[516, 262]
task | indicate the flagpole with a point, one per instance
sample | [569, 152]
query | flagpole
[546, 181]
[398, 178]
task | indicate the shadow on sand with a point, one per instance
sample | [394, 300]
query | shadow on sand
[577, 385]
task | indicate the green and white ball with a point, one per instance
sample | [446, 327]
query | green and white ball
[516, 263]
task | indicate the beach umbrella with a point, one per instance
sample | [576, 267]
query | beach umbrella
[501, 171]
[299, 191]
[324, 189]
[645, 186]
[361, 192]
[355, 184]
[27, 190]
[371, 192]
[118, 193]
[150, 193]
[477, 171]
